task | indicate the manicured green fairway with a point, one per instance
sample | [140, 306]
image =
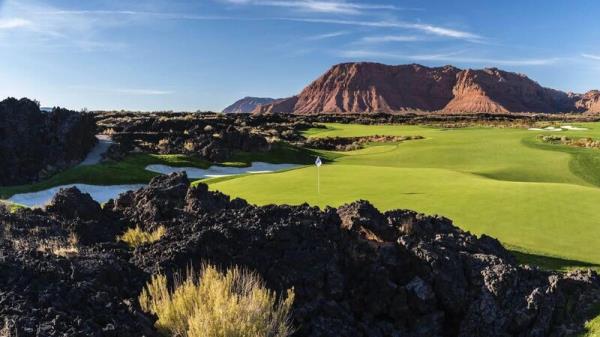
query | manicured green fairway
[537, 198]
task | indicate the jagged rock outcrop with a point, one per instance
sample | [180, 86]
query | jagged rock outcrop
[359, 272]
[355, 270]
[374, 87]
[208, 136]
[247, 104]
[52, 286]
[36, 144]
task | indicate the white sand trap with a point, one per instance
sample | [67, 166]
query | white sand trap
[99, 193]
[220, 171]
[95, 155]
[562, 128]
[573, 128]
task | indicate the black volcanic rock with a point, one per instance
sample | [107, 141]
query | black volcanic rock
[214, 137]
[359, 272]
[247, 104]
[36, 144]
[355, 270]
[89, 292]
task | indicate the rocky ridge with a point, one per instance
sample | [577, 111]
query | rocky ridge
[356, 271]
[373, 87]
[247, 104]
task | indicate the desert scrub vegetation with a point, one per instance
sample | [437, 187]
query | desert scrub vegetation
[211, 303]
[576, 142]
[136, 237]
[60, 247]
[353, 143]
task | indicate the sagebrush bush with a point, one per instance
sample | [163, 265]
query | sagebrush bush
[136, 237]
[216, 304]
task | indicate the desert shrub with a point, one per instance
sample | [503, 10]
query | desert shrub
[575, 142]
[235, 303]
[60, 247]
[136, 237]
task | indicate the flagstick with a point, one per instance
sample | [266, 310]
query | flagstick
[318, 181]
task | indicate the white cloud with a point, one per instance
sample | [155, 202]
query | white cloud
[326, 36]
[591, 56]
[332, 7]
[426, 28]
[13, 23]
[389, 38]
[448, 57]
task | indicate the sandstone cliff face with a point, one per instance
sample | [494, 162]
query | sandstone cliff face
[589, 102]
[496, 91]
[247, 104]
[374, 87]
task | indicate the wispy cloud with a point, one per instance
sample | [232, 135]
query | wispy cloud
[390, 38]
[332, 7]
[591, 56]
[326, 36]
[454, 57]
[426, 28]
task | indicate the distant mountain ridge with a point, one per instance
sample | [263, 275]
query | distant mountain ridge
[375, 87]
[247, 104]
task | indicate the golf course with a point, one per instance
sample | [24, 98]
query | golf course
[539, 199]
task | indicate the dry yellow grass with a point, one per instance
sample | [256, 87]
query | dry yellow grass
[136, 237]
[60, 248]
[215, 304]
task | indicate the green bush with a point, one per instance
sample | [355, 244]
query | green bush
[216, 304]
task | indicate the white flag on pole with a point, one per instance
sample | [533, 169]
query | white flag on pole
[318, 163]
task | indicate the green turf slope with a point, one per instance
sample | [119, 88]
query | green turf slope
[495, 181]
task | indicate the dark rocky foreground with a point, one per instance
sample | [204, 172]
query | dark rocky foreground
[356, 271]
[36, 144]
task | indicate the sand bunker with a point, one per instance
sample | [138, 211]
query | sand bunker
[99, 193]
[573, 128]
[562, 128]
[104, 193]
[220, 171]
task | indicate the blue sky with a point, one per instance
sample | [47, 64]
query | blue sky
[205, 54]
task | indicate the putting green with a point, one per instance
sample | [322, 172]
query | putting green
[502, 182]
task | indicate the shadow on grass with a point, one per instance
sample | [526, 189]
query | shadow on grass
[592, 326]
[552, 263]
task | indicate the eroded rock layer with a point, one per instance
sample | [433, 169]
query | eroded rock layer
[374, 87]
